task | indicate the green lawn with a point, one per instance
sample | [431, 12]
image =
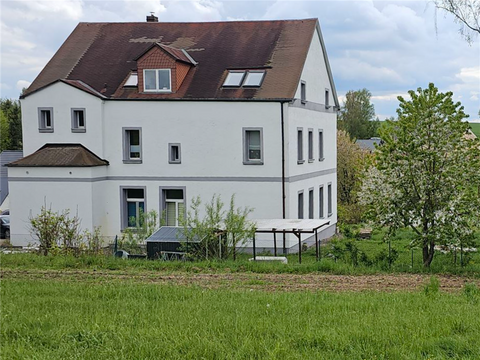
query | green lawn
[476, 128]
[53, 319]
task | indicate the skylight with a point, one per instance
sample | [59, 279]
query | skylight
[132, 80]
[234, 78]
[254, 78]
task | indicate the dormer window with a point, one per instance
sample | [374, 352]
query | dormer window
[237, 78]
[234, 78]
[157, 80]
[132, 80]
[254, 78]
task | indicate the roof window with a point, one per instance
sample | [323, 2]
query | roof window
[254, 78]
[234, 78]
[237, 78]
[132, 80]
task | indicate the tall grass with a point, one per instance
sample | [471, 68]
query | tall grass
[84, 320]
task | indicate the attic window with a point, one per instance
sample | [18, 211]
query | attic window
[157, 80]
[234, 78]
[254, 78]
[132, 80]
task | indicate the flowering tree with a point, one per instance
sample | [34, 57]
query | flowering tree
[426, 174]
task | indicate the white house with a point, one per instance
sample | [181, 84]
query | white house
[149, 115]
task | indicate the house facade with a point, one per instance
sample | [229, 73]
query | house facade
[130, 116]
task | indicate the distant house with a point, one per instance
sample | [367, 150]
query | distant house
[6, 157]
[369, 144]
[145, 116]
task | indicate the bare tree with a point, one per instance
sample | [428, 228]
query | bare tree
[466, 13]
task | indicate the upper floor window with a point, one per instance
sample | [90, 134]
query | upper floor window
[174, 154]
[78, 120]
[254, 78]
[300, 146]
[234, 78]
[45, 119]
[132, 80]
[158, 80]
[253, 146]
[303, 91]
[310, 145]
[320, 145]
[132, 145]
[327, 99]
[237, 78]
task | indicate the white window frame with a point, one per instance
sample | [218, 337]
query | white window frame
[76, 128]
[243, 72]
[171, 160]
[42, 126]
[246, 145]
[124, 200]
[245, 79]
[157, 77]
[126, 145]
[164, 201]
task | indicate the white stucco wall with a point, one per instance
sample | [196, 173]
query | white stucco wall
[62, 98]
[29, 192]
[315, 74]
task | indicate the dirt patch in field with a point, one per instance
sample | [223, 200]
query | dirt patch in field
[261, 282]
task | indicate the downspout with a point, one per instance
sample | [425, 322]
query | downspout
[283, 161]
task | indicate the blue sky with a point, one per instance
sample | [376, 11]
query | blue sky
[388, 47]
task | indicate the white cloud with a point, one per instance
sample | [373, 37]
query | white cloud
[72, 9]
[22, 84]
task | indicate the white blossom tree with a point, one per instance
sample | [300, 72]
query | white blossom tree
[426, 174]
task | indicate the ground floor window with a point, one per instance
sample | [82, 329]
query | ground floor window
[173, 206]
[133, 206]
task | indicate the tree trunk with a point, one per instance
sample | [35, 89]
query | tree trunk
[428, 252]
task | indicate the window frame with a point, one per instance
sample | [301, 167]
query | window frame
[327, 98]
[246, 159]
[170, 153]
[244, 72]
[301, 205]
[247, 74]
[157, 78]
[321, 145]
[300, 158]
[311, 202]
[329, 200]
[75, 127]
[311, 157]
[42, 128]
[124, 204]
[303, 91]
[163, 200]
[321, 202]
[126, 145]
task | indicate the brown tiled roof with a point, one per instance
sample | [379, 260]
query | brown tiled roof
[100, 54]
[63, 155]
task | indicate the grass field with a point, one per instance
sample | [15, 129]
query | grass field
[476, 128]
[91, 319]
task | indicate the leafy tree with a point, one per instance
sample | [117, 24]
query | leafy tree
[351, 164]
[466, 13]
[357, 115]
[218, 232]
[426, 173]
[10, 125]
[4, 130]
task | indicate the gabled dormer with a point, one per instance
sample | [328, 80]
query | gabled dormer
[162, 69]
